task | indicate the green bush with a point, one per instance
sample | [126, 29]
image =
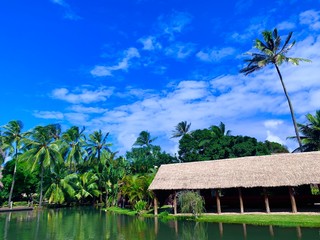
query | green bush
[140, 206]
[191, 202]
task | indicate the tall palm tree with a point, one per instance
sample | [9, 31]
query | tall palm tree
[144, 139]
[42, 150]
[311, 132]
[74, 140]
[272, 53]
[181, 129]
[12, 136]
[96, 143]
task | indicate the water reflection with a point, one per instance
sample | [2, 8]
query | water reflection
[94, 224]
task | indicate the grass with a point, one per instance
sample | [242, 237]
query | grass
[284, 220]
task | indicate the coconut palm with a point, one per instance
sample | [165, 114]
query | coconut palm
[181, 129]
[96, 143]
[74, 140]
[87, 186]
[144, 139]
[61, 184]
[272, 53]
[311, 132]
[12, 137]
[42, 150]
[220, 130]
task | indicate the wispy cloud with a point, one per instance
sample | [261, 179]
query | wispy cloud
[215, 55]
[310, 18]
[82, 95]
[69, 13]
[123, 64]
[48, 115]
[286, 25]
[180, 50]
[174, 23]
[150, 43]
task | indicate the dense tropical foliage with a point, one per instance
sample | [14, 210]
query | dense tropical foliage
[75, 167]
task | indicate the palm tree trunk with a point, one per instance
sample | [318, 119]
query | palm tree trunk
[41, 186]
[291, 108]
[12, 184]
[14, 175]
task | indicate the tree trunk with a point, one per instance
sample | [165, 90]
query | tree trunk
[13, 181]
[41, 186]
[291, 108]
[14, 175]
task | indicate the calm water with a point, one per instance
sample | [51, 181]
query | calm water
[88, 224]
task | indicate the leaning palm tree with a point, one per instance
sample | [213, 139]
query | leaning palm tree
[181, 129]
[220, 131]
[12, 136]
[272, 53]
[42, 150]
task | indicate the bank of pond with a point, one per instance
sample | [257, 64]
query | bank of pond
[93, 223]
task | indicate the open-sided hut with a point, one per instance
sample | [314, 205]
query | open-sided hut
[285, 171]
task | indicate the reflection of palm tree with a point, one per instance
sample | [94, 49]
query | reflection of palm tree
[12, 136]
[181, 129]
[311, 132]
[43, 151]
[272, 53]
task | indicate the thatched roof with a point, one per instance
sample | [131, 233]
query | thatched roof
[290, 169]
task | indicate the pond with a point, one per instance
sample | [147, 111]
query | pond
[86, 223]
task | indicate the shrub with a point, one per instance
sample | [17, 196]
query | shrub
[140, 206]
[191, 202]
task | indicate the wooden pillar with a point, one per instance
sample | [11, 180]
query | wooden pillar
[218, 202]
[241, 201]
[155, 205]
[266, 200]
[175, 203]
[293, 200]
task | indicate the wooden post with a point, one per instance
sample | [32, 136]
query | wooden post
[218, 202]
[175, 203]
[266, 200]
[241, 201]
[155, 206]
[293, 200]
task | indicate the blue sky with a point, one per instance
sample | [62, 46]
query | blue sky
[127, 66]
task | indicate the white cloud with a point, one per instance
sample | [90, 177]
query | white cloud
[174, 23]
[215, 55]
[180, 50]
[273, 138]
[48, 114]
[150, 43]
[87, 110]
[310, 18]
[82, 95]
[273, 123]
[69, 13]
[123, 64]
[286, 25]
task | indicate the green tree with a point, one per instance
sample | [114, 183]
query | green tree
[73, 140]
[144, 139]
[12, 140]
[270, 52]
[191, 202]
[276, 147]
[181, 129]
[61, 184]
[96, 143]
[87, 186]
[311, 132]
[42, 150]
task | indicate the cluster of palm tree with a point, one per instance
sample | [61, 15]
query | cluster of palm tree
[70, 166]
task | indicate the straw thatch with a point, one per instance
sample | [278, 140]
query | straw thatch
[292, 169]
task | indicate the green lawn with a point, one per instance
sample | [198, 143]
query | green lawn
[288, 220]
